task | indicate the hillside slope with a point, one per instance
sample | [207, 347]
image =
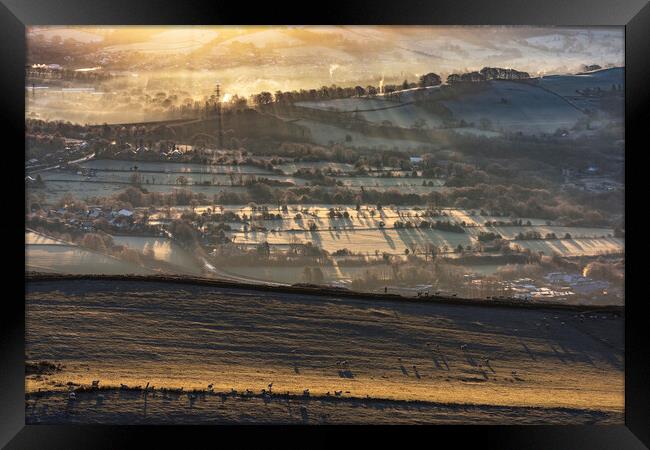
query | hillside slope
[173, 335]
[535, 106]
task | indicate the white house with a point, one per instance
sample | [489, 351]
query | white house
[125, 213]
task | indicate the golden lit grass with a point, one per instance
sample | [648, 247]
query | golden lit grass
[190, 337]
[548, 390]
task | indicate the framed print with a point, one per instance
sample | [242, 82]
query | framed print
[378, 215]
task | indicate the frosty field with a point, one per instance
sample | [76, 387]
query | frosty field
[518, 366]
[43, 254]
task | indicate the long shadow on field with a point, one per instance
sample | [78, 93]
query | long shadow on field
[530, 353]
[315, 237]
[566, 352]
[558, 354]
[444, 361]
[389, 240]
[304, 414]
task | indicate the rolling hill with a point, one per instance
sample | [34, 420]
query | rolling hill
[535, 106]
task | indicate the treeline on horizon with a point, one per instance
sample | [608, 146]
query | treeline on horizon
[431, 79]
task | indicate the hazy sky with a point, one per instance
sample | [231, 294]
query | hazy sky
[250, 59]
[550, 49]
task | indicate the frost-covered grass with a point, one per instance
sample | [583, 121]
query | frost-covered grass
[324, 134]
[510, 363]
[75, 260]
[567, 85]
[527, 108]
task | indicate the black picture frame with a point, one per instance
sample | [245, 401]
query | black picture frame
[634, 15]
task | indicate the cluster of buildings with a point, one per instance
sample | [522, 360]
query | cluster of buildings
[124, 220]
[577, 283]
[559, 286]
[591, 179]
[555, 285]
[73, 148]
[164, 152]
[526, 289]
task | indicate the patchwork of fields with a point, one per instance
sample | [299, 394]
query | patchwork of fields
[209, 180]
[375, 240]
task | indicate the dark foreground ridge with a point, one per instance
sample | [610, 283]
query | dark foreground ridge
[317, 290]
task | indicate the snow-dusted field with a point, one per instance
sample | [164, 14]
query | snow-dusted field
[567, 85]
[395, 241]
[458, 363]
[324, 134]
[527, 108]
[378, 111]
[170, 167]
[392, 241]
[540, 106]
[44, 254]
[361, 232]
[162, 249]
[576, 247]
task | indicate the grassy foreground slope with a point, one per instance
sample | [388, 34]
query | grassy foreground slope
[456, 362]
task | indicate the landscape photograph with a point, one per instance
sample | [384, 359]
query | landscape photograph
[324, 225]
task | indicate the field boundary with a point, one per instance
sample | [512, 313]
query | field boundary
[324, 291]
[350, 111]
